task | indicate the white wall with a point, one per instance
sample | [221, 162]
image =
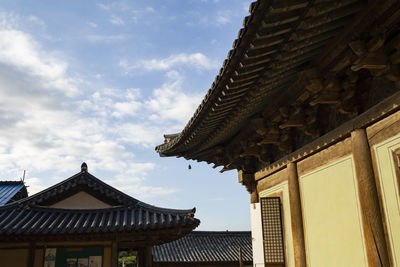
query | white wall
[256, 234]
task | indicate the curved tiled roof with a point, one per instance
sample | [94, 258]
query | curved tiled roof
[206, 246]
[9, 191]
[16, 220]
[278, 39]
[33, 216]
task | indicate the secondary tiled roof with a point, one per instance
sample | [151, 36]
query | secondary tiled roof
[9, 189]
[206, 246]
[33, 216]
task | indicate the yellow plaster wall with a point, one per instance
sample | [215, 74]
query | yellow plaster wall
[389, 188]
[283, 190]
[13, 257]
[331, 214]
[81, 200]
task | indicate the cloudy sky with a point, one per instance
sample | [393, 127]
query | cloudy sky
[101, 82]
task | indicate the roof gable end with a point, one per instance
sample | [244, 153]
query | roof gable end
[80, 182]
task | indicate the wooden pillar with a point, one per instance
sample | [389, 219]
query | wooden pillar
[240, 258]
[247, 179]
[114, 254]
[296, 216]
[141, 258]
[375, 244]
[254, 198]
[31, 254]
[149, 256]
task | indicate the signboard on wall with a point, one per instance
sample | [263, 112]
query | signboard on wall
[73, 257]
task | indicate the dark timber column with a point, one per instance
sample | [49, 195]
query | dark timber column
[149, 257]
[141, 257]
[377, 253]
[296, 216]
[247, 179]
[31, 254]
[114, 254]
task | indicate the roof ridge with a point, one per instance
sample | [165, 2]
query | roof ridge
[87, 179]
[124, 199]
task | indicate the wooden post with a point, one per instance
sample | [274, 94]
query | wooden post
[141, 261]
[149, 256]
[247, 179]
[296, 216]
[375, 244]
[254, 198]
[114, 254]
[240, 258]
[31, 254]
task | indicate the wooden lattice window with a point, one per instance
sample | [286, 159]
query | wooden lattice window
[274, 252]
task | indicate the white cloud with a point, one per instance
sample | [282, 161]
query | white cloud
[150, 9]
[196, 60]
[18, 50]
[8, 21]
[107, 38]
[37, 21]
[48, 125]
[92, 24]
[223, 18]
[143, 134]
[116, 21]
[103, 6]
[170, 103]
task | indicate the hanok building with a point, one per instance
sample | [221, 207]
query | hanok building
[11, 191]
[82, 221]
[206, 249]
[306, 108]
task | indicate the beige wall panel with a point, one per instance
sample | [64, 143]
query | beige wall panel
[332, 218]
[324, 157]
[384, 129]
[283, 190]
[272, 180]
[389, 186]
[14, 257]
[81, 200]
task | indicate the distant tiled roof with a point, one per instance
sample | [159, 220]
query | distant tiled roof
[32, 216]
[206, 246]
[8, 190]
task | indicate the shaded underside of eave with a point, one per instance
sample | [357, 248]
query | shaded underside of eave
[275, 45]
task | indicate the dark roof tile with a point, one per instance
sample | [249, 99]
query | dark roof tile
[33, 216]
[206, 246]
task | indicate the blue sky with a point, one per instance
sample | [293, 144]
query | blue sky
[101, 82]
